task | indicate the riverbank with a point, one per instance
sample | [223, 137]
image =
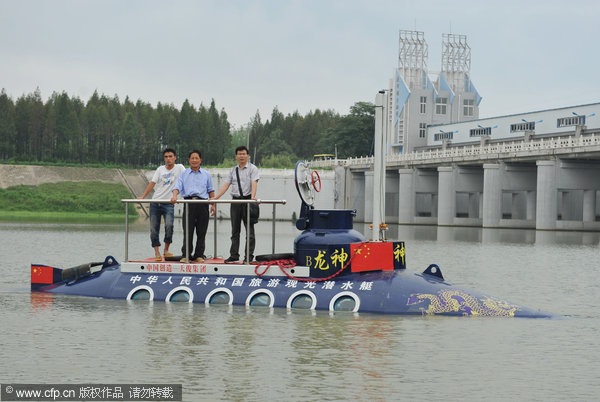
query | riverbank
[275, 184]
[66, 208]
[63, 217]
[65, 201]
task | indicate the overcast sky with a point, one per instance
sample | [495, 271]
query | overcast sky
[297, 55]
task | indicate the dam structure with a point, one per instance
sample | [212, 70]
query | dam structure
[536, 170]
[446, 166]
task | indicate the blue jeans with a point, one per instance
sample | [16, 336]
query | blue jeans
[156, 212]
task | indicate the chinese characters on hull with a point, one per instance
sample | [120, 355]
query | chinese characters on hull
[238, 282]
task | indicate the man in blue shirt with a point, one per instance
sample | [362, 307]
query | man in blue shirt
[194, 184]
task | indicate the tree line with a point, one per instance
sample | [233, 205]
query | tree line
[107, 131]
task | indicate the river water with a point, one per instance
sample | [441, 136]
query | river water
[234, 353]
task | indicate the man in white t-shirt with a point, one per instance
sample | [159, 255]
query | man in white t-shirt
[162, 182]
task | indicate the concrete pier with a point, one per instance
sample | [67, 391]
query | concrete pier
[546, 204]
[446, 196]
[406, 197]
[492, 195]
[546, 195]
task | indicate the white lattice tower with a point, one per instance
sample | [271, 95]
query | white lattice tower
[412, 58]
[456, 60]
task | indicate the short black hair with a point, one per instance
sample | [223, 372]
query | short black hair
[242, 148]
[169, 150]
[195, 151]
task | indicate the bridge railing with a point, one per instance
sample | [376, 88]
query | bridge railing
[487, 151]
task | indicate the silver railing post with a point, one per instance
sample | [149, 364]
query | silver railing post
[186, 212]
[215, 231]
[248, 233]
[126, 232]
[273, 231]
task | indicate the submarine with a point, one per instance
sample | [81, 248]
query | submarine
[332, 268]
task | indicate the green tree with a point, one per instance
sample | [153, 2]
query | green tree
[148, 145]
[275, 145]
[49, 134]
[129, 139]
[104, 130]
[8, 130]
[217, 137]
[186, 126]
[36, 124]
[115, 115]
[79, 141]
[67, 128]
[203, 131]
[22, 120]
[354, 133]
[271, 136]
[239, 136]
[225, 128]
[93, 126]
[315, 126]
[168, 132]
[256, 133]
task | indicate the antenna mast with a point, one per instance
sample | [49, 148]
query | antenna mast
[456, 60]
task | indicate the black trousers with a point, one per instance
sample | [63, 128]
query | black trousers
[197, 217]
[236, 228]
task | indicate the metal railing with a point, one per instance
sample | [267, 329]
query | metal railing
[216, 202]
[487, 151]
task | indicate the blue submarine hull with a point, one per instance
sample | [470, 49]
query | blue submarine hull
[383, 292]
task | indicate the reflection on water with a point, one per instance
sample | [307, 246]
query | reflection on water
[300, 351]
[41, 301]
[237, 353]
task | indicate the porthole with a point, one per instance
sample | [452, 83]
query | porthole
[141, 293]
[180, 294]
[260, 298]
[302, 299]
[219, 296]
[345, 301]
[302, 302]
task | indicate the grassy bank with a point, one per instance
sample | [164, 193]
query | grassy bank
[65, 201]
[64, 217]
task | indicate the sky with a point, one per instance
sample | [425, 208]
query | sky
[254, 55]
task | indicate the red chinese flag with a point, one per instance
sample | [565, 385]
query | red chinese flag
[372, 257]
[42, 274]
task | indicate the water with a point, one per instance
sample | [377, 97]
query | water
[234, 353]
